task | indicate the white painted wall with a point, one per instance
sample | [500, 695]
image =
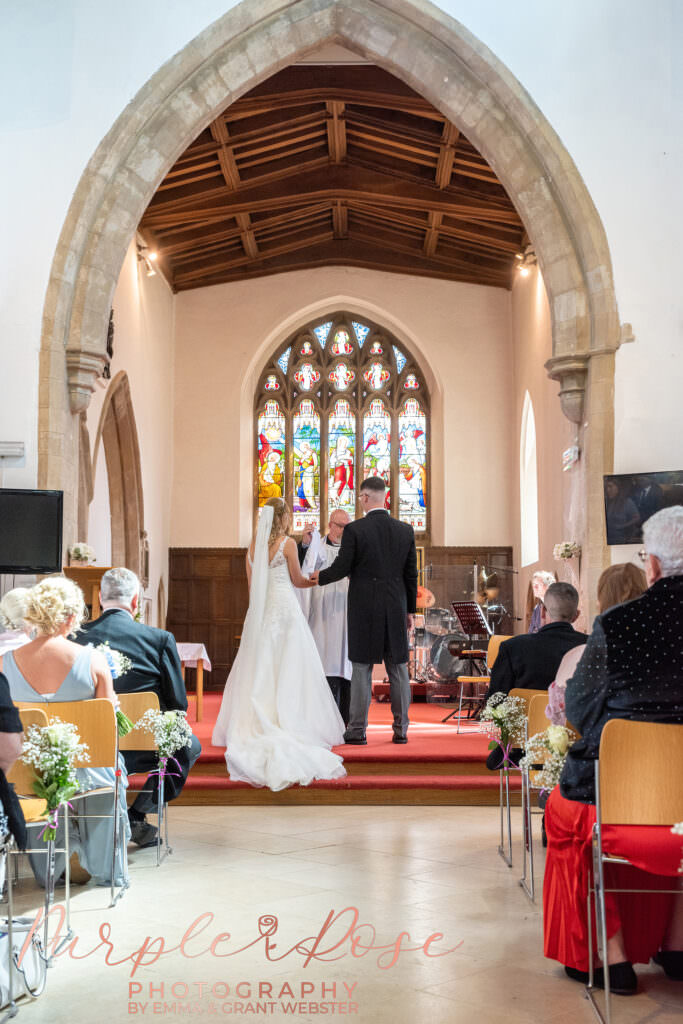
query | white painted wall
[459, 333]
[607, 76]
[143, 347]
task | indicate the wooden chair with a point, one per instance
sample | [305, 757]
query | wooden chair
[480, 683]
[135, 705]
[638, 781]
[95, 721]
[536, 722]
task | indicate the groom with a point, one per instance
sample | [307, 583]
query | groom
[378, 555]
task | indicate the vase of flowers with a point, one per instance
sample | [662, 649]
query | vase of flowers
[171, 733]
[53, 750]
[81, 553]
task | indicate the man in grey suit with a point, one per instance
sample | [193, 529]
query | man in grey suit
[378, 555]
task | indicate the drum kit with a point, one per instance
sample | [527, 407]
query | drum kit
[437, 644]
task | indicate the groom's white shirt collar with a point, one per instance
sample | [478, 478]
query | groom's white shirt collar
[371, 510]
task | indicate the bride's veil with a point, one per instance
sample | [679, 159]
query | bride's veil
[244, 675]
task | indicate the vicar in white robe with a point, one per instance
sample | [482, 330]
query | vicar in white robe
[325, 608]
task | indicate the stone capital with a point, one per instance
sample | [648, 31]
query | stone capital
[571, 372]
[83, 367]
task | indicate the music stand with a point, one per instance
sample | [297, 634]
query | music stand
[471, 619]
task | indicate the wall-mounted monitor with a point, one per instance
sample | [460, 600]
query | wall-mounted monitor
[30, 531]
[631, 498]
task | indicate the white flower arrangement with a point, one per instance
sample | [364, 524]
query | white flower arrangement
[503, 719]
[566, 550]
[547, 752]
[170, 730]
[119, 664]
[53, 750]
[81, 552]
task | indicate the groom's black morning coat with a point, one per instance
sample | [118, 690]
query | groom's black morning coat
[377, 553]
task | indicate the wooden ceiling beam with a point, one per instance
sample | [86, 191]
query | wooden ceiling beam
[336, 130]
[201, 237]
[444, 166]
[340, 220]
[334, 183]
[253, 107]
[219, 133]
[432, 234]
[280, 250]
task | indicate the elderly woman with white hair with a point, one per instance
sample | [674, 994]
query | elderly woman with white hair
[50, 668]
[632, 668]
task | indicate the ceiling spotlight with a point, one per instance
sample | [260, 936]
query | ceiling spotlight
[525, 260]
[146, 256]
[153, 255]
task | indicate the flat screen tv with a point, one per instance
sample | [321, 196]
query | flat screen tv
[631, 498]
[30, 531]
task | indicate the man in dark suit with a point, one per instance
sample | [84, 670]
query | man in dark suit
[531, 661]
[378, 555]
[156, 667]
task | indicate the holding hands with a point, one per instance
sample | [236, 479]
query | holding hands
[313, 578]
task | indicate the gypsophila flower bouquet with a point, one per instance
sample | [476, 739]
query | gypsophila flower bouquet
[171, 733]
[567, 549]
[503, 719]
[547, 752]
[53, 751]
[118, 664]
[81, 552]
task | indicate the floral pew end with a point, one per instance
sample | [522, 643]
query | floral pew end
[53, 751]
[503, 720]
[118, 664]
[171, 733]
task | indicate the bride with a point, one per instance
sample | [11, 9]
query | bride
[278, 718]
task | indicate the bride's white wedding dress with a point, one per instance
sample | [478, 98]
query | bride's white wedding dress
[278, 718]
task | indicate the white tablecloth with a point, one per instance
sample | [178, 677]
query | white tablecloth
[190, 654]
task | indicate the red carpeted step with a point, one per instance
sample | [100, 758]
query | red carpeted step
[454, 782]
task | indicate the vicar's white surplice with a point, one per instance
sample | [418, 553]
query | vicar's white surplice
[325, 608]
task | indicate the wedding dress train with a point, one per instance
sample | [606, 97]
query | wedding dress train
[278, 718]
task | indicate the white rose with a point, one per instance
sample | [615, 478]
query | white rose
[557, 738]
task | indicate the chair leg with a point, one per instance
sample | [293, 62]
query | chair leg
[527, 879]
[117, 840]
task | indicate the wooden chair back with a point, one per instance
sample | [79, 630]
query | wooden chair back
[96, 723]
[641, 781]
[493, 648]
[527, 695]
[536, 716]
[134, 705]
[22, 775]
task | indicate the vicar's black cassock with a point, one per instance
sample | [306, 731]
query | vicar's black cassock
[156, 667]
[377, 553]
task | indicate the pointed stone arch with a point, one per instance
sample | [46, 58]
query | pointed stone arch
[440, 59]
[118, 434]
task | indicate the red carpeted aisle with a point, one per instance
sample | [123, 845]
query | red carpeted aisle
[436, 766]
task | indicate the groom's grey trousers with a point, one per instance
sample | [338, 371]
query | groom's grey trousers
[361, 694]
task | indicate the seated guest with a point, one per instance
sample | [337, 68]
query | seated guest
[156, 667]
[531, 661]
[13, 630]
[632, 668]
[538, 584]
[53, 668]
[618, 584]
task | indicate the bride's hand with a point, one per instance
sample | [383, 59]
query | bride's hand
[313, 579]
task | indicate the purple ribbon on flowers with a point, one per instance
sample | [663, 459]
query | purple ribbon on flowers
[507, 763]
[53, 820]
[162, 771]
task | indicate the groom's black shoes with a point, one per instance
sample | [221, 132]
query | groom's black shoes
[399, 739]
[359, 741]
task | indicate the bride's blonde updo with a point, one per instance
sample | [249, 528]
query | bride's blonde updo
[281, 516]
[51, 603]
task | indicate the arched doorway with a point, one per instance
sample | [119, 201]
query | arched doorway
[439, 58]
[117, 434]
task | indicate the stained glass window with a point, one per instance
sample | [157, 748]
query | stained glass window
[321, 332]
[328, 414]
[271, 453]
[283, 361]
[341, 376]
[377, 443]
[306, 449]
[412, 464]
[341, 449]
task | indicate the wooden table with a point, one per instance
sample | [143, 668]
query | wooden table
[195, 656]
[88, 579]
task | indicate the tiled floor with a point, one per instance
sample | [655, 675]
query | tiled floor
[405, 869]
